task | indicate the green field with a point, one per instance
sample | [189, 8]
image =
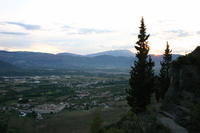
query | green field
[65, 121]
[79, 121]
[85, 94]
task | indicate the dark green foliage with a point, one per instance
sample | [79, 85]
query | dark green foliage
[141, 80]
[32, 115]
[113, 130]
[189, 59]
[96, 124]
[158, 128]
[195, 118]
[3, 126]
[151, 75]
[145, 122]
[3, 122]
[164, 72]
[10, 122]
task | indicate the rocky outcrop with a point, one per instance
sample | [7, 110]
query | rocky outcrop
[184, 85]
[184, 90]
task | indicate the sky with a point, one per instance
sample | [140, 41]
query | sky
[90, 26]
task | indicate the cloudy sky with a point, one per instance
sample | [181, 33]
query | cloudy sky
[89, 26]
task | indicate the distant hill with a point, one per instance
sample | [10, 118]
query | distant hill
[4, 67]
[108, 59]
[62, 61]
[70, 54]
[115, 53]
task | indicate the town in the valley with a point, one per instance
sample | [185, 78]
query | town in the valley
[49, 94]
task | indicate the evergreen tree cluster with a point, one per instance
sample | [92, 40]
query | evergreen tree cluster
[142, 77]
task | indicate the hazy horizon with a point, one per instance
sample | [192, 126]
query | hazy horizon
[91, 26]
[155, 54]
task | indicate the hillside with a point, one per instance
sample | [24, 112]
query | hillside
[45, 60]
[182, 101]
[4, 67]
[35, 60]
[115, 53]
[191, 59]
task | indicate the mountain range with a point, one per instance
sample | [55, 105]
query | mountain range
[38, 60]
[116, 53]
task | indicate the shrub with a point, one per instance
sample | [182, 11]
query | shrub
[195, 117]
[113, 130]
[96, 124]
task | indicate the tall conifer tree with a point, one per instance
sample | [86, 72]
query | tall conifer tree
[150, 77]
[141, 74]
[164, 71]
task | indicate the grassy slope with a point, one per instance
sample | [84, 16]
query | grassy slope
[79, 121]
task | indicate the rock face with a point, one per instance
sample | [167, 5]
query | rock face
[184, 85]
[184, 90]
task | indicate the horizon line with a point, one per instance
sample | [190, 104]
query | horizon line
[155, 54]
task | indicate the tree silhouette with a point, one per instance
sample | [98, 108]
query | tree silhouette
[150, 78]
[164, 71]
[141, 74]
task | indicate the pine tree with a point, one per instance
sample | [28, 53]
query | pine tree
[141, 74]
[151, 77]
[164, 71]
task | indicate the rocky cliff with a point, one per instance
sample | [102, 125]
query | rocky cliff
[183, 96]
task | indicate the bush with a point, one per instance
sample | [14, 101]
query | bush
[157, 128]
[3, 127]
[96, 124]
[195, 117]
[113, 130]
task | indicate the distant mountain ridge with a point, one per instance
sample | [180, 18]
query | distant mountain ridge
[70, 54]
[107, 59]
[62, 61]
[115, 53]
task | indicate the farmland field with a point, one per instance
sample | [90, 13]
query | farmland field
[62, 103]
